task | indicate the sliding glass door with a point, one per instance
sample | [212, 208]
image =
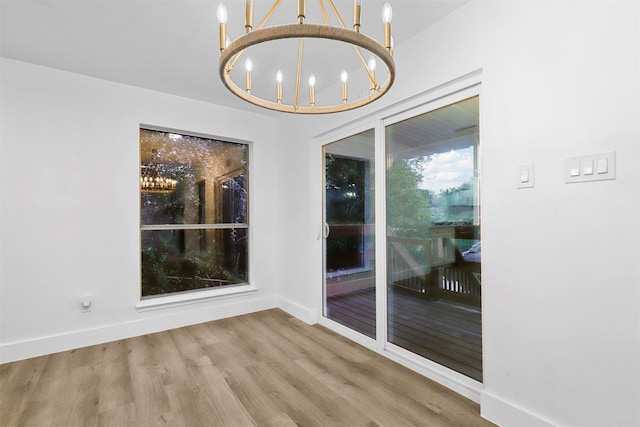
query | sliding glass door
[349, 260]
[433, 237]
[429, 263]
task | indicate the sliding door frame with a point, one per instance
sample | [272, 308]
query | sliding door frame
[447, 94]
[318, 148]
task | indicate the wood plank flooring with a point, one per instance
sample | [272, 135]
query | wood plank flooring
[264, 369]
[447, 333]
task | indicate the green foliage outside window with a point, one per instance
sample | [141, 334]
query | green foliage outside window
[408, 213]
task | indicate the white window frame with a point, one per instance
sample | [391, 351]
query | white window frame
[198, 295]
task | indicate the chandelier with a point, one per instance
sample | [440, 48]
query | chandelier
[152, 180]
[240, 82]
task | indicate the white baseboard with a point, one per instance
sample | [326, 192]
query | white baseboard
[41, 346]
[504, 413]
[449, 378]
[309, 316]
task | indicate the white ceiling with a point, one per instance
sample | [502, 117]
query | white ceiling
[171, 45]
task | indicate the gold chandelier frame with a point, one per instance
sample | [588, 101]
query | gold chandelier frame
[231, 53]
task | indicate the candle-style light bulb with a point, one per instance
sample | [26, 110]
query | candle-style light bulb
[387, 15]
[279, 78]
[312, 84]
[357, 5]
[371, 65]
[344, 78]
[248, 67]
[221, 15]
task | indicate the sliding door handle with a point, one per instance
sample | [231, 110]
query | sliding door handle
[327, 230]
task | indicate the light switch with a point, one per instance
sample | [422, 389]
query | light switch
[603, 165]
[595, 167]
[525, 176]
[575, 168]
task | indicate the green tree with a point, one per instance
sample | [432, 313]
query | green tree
[345, 194]
[408, 212]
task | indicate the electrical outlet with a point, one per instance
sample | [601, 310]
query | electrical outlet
[85, 304]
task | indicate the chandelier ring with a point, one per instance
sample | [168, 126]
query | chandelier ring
[309, 31]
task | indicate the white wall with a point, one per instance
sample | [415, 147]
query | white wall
[70, 208]
[561, 262]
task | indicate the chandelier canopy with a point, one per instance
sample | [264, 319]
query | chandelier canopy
[271, 37]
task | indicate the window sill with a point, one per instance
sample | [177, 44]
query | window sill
[168, 301]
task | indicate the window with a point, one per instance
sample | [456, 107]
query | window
[194, 224]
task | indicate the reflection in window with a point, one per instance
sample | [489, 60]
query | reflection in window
[194, 236]
[346, 188]
[349, 248]
[433, 236]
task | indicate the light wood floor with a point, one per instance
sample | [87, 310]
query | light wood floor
[266, 369]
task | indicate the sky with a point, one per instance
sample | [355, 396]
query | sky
[447, 170]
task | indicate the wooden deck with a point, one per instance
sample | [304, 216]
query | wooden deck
[445, 332]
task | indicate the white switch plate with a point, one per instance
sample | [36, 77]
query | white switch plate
[595, 167]
[525, 177]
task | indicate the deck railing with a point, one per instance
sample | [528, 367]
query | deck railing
[430, 267]
[407, 268]
[459, 282]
